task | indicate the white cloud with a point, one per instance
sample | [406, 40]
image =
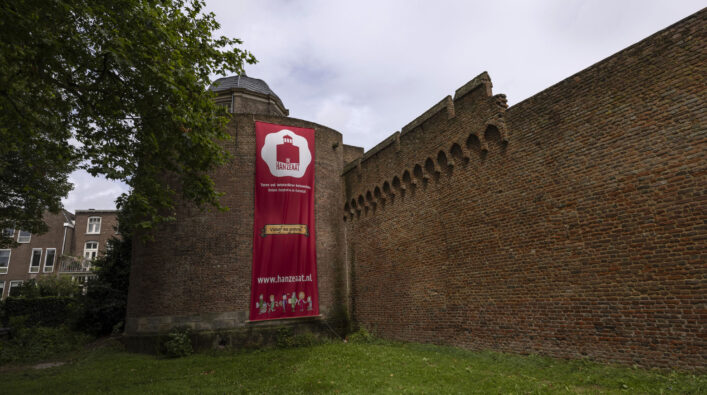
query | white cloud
[395, 59]
[92, 192]
[366, 68]
[342, 114]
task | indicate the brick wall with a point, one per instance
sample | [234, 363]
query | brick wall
[571, 224]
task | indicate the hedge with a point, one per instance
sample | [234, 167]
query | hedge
[44, 311]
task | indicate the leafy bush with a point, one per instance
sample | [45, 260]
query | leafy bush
[27, 289]
[177, 343]
[35, 343]
[104, 309]
[284, 338]
[58, 286]
[107, 295]
[361, 336]
[41, 311]
[49, 286]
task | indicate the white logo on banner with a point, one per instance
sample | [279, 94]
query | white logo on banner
[286, 154]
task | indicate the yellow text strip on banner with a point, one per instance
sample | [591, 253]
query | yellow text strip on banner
[284, 230]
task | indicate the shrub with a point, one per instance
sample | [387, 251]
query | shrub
[58, 286]
[106, 296]
[104, 309]
[361, 336]
[49, 311]
[284, 338]
[177, 343]
[35, 343]
[49, 286]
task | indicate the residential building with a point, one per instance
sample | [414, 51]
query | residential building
[68, 248]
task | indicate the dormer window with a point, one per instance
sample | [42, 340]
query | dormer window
[94, 225]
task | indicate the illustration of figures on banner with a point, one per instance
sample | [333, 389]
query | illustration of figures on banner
[297, 302]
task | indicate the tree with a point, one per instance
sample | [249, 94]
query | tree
[115, 87]
[106, 298]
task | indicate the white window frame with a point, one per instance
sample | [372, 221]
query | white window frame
[19, 235]
[46, 254]
[10, 235]
[94, 231]
[13, 283]
[86, 249]
[3, 270]
[39, 261]
[2, 290]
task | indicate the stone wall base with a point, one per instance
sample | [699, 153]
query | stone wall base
[250, 335]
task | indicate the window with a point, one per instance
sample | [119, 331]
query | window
[94, 225]
[23, 236]
[49, 260]
[36, 260]
[2, 289]
[4, 261]
[14, 288]
[8, 232]
[90, 250]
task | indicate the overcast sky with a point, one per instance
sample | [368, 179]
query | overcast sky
[367, 68]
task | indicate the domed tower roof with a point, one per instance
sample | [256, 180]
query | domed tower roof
[245, 93]
[244, 82]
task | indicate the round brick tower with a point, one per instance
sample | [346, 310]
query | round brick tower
[197, 270]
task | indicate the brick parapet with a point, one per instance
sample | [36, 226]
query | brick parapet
[447, 134]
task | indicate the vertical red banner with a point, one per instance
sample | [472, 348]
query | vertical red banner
[284, 281]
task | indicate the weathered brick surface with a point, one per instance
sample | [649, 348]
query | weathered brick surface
[351, 153]
[199, 268]
[583, 235]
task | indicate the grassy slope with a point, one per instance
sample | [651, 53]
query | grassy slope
[341, 368]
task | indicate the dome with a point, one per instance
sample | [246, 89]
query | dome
[242, 82]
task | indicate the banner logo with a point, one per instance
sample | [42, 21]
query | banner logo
[286, 154]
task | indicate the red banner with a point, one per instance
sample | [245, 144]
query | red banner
[284, 281]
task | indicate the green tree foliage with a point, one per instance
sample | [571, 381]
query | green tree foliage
[106, 296]
[49, 286]
[109, 86]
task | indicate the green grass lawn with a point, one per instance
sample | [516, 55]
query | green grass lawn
[338, 368]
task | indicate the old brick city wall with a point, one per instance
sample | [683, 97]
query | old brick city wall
[571, 224]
